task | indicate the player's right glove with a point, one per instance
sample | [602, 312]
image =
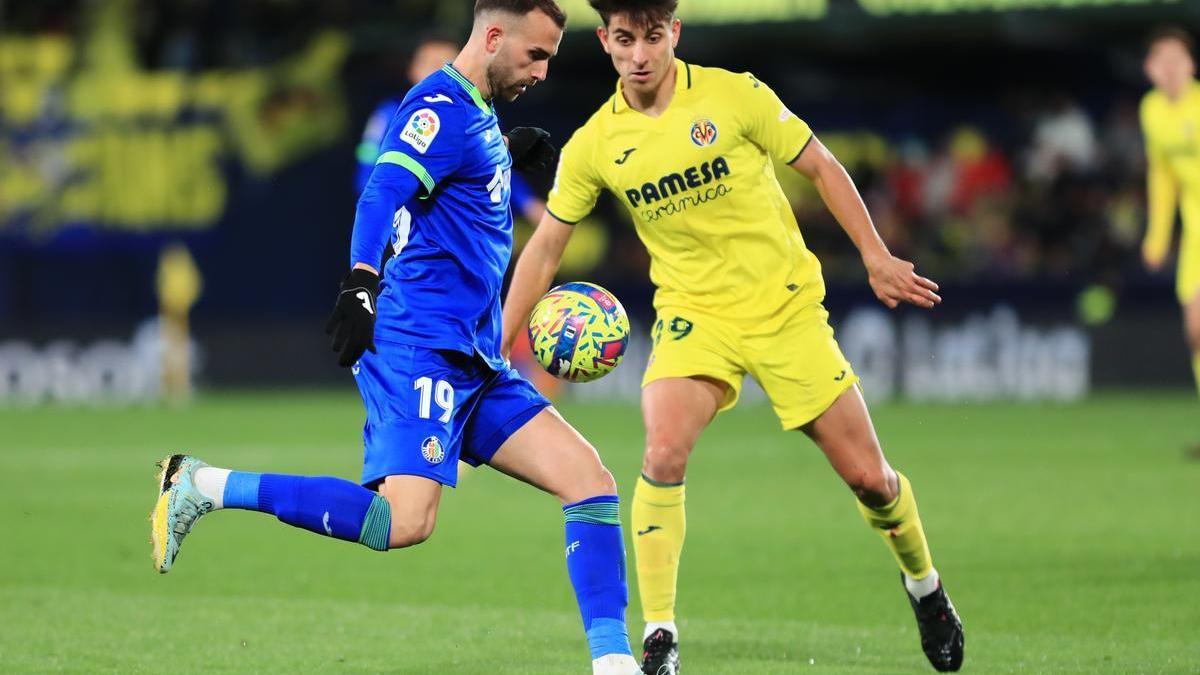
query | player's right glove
[530, 148]
[352, 323]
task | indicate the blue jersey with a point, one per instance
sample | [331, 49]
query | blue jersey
[372, 139]
[452, 245]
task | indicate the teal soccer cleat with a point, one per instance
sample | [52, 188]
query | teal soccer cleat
[178, 508]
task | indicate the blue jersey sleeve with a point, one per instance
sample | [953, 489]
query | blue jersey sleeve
[388, 188]
[426, 138]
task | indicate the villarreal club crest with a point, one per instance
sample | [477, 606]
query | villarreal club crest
[704, 132]
[579, 332]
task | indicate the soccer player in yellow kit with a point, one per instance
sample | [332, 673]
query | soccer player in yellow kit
[1171, 124]
[688, 150]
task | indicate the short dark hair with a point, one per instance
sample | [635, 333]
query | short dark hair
[522, 7]
[1169, 33]
[640, 12]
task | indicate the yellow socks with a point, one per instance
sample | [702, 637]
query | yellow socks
[658, 528]
[899, 524]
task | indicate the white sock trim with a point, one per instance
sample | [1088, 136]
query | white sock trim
[210, 481]
[652, 626]
[919, 588]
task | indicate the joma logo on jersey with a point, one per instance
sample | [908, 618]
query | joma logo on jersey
[674, 183]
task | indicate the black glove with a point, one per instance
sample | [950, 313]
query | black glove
[352, 323]
[530, 148]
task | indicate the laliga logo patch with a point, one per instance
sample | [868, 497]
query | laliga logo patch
[704, 132]
[431, 450]
[421, 129]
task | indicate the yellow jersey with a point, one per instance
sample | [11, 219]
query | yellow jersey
[699, 184]
[1172, 134]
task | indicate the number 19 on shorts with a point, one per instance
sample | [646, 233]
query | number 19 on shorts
[439, 392]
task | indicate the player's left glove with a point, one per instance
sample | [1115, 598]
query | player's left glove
[352, 323]
[530, 148]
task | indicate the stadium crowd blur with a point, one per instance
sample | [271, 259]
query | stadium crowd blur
[1061, 196]
[984, 153]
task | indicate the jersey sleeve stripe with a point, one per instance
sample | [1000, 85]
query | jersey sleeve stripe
[802, 148]
[562, 220]
[395, 157]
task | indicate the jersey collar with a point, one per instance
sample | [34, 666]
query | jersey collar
[683, 82]
[458, 77]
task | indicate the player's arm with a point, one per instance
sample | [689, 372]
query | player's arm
[571, 199]
[1162, 196]
[893, 280]
[416, 157]
[536, 267]
[352, 322]
[769, 124]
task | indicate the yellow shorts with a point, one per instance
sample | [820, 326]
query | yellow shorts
[1187, 279]
[792, 355]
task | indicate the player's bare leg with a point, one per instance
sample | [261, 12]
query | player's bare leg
[845, 434]
[549, 454]
[675, 410]
[1191, 324]
[414, 503]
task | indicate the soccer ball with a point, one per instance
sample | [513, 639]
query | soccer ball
[578, 332]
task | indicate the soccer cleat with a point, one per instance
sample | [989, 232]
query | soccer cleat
[615, 664]
[178, 508]
[941, 629]
[660, 654]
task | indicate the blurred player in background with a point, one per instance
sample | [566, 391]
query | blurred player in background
[1171, 124]
[433, 52]
[430, 371]
[688, 150]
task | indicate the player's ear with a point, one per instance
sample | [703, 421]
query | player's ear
[492, 38]
[602, 34]
[676, 27]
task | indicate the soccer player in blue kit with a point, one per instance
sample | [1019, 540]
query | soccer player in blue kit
[425, 343]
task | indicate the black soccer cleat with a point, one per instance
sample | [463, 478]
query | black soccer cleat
[941, 629]
[660, 655]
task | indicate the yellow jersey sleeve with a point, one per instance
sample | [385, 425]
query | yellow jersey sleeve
[576, 185]
[768, 122]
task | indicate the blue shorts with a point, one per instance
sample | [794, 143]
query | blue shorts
[427, 408]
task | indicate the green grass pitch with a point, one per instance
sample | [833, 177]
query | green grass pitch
[1068, 535]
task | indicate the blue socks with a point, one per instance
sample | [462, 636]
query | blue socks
[325, 505]
[596, 564]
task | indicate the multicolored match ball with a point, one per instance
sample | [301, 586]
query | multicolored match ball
[579, 332]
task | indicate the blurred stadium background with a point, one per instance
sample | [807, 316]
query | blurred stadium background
[176, 197]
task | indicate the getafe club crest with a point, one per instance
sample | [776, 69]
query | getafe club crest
[432, 451]
[704, 132]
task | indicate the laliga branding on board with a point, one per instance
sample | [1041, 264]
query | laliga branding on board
[103, 372]
[984, 357]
